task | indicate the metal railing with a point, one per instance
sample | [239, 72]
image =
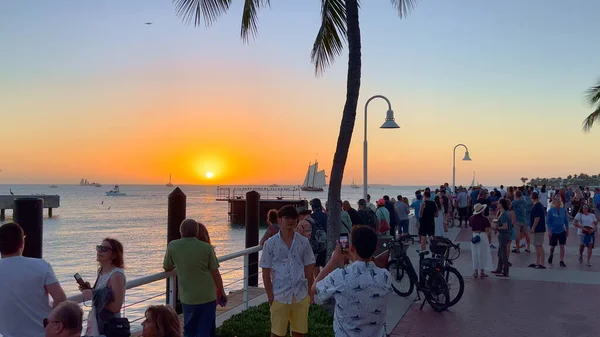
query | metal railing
[265, 192]
[144, 280]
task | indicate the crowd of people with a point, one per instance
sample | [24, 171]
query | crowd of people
[27, 283]
[294, 262]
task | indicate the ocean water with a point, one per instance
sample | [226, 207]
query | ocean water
[139, 220]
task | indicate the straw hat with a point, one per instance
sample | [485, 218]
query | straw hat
[478, 208]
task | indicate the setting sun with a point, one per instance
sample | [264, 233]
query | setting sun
[209, 175]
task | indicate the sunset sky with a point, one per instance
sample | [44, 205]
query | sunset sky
[88, 90]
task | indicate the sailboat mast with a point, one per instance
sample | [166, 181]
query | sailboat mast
[314, 173]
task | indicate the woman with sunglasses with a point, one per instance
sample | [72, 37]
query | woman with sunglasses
[111, 277]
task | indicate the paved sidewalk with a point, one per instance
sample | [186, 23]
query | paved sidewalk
[555, 302]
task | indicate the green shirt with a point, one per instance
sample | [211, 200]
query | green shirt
[194, 261]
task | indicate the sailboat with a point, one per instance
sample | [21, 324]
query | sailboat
[353, 185]
[169, 183]
[315, 179]
[473, 183]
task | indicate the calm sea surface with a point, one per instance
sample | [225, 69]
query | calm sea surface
[139, 220]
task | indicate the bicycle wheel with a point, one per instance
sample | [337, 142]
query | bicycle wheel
[456, 284]
[402, 283]
[437, 294]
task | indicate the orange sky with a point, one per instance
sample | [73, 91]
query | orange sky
[124, 103]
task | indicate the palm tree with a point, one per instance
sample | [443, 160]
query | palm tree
[339, 24]
[593, 99]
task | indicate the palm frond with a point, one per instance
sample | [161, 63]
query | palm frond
[250, 17]
[331, 37]
[593, 94]
[589, 121]
[404, 6]
[197, 11]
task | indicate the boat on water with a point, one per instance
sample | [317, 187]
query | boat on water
[315, 179]
[53, 186]
[353, 185]
[273, 185]
[115, 192]
[95, 184]
[169, 184]
[84, 182]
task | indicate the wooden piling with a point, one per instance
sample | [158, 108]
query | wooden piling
[252, 224]
[176, 215]
[29, 214]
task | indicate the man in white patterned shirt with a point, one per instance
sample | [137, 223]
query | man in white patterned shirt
[287, 264]
[360, 290]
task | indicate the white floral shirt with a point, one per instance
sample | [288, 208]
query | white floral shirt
[360, 291]
[287, 267]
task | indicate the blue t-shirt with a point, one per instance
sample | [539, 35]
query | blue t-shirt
[520, 209]
[597, 200]
[474, 195]
[320, 218]
[557, 220]
[537, 211]
[416, 205]
[568, 195]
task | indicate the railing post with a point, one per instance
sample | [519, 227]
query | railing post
[176, 214]
[246, 274]
[252, 223]
[29, 214]
[172, 291]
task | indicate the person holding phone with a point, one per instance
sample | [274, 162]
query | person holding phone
[360, 289]
[108, 291]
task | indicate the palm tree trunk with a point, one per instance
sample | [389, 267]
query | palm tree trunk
[334, 203]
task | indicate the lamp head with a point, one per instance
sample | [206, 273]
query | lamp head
[467, 157]
[390, 121]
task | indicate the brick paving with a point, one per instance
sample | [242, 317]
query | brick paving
[556, 302]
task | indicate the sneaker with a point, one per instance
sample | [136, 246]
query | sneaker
[550, 259]
[562, 264]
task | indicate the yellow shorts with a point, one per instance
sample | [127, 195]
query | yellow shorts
[296, 314]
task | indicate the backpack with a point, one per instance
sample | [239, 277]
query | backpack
[318, 237]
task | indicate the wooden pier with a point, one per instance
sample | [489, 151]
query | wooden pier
[8, 202]
[271, 198]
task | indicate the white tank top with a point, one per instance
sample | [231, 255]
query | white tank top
[92, 326]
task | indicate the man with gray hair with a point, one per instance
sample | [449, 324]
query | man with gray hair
[64, 321]
[198, 279]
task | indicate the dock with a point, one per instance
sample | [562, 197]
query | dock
[8, 202]
[271, 198]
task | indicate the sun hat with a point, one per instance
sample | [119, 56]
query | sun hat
[478, 208]
[381, 202]
[303, 209]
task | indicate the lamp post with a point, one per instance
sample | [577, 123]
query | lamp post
[388, 124]
[467, 158]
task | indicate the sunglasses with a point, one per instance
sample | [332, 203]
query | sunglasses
[46, 322]
[102, 249]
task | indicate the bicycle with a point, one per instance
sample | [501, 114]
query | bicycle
[440, 249]
[429, 281]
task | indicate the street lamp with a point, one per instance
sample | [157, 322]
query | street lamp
[388, 124]
[467, 158]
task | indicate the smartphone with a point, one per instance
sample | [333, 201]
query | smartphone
[344, 241]
[80, 280]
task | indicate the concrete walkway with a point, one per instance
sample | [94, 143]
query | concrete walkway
[550, 303]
